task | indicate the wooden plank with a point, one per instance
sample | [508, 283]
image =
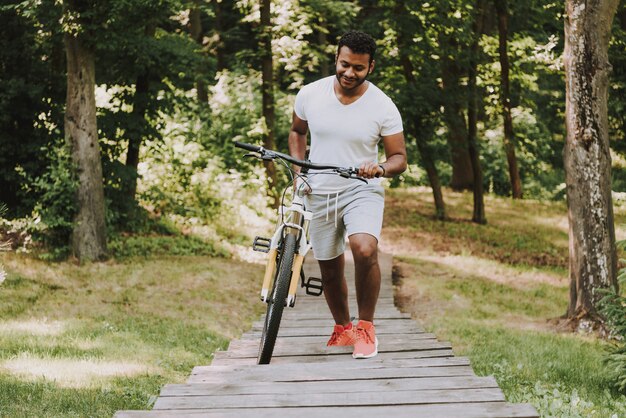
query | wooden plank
[254, 338]
[329, 374]
[332, 399]
[324, 313]
[322, 350]
[326, 331]
[323, 339]
[224, 361]
[399, 325]
[318, 309]
[373, 363]
[386, 295]
[457, 410]
[205, 389]
[320, 306]
[298, 323]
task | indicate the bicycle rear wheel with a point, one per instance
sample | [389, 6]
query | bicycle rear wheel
[276, 303]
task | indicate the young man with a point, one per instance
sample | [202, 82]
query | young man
[347, 116]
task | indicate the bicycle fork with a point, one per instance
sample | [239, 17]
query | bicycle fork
[297, 223]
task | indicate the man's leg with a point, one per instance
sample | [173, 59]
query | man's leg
[336, 289]
[367, 273]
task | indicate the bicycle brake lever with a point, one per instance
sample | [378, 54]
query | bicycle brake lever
[253, 155]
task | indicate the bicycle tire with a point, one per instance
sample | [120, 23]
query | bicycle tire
[276, 303]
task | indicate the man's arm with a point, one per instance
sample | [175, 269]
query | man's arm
[297, 139]
[395, 163]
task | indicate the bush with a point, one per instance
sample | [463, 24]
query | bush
[613, 307]
[53, 215]
[145, 246]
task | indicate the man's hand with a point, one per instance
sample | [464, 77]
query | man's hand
[370, 170]
[300, 184]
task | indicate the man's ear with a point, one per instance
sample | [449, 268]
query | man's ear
[371, 69]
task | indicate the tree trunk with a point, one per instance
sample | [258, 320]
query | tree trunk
[478, 215]
[462, 174]
[136, 132]
[219, 34]
[89, 233]
[139, 124]
[268, 95]
[197, 34]
[509, 139]
[322, 40]
[431, 171]
[592, 254]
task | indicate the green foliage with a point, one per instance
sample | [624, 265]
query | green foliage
[53, 215]
[31, 101]
[201, 184]
[555, 399]
[537, 117]
[122, 247]
[613, 307]
[148, 66]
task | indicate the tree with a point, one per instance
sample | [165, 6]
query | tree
[196, 30]
[478, 215]
[89, 233]
[142, 58]
[32, 70]
[139, 126]
[411, 80]
[505, 99]
[268, 93]
[452, 94]
[592, 257]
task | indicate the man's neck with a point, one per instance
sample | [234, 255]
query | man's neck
[347, 96]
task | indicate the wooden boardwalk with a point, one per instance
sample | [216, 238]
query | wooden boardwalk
[414, 375]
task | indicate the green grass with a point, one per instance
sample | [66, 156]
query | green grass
[145, 321]
[156, 245]
[90, 340]
[501, 314]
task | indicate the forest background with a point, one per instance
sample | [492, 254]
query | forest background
[480, 86]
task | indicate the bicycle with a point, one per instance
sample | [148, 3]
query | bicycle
[288, 246]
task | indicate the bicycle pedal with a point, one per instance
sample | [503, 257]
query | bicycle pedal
[261, 244]
[314, 286]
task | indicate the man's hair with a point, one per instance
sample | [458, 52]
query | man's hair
[358, 42]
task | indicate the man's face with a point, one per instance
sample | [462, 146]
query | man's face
[352, 69]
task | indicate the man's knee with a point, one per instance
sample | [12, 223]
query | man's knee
[364, 247]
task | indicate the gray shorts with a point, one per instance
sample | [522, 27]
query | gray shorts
[338, 215]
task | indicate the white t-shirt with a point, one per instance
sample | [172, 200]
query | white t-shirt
[344, 135]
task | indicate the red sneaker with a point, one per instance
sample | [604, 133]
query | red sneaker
[366, 344]
[341, 336]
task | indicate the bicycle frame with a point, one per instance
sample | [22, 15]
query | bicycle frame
[296, 221]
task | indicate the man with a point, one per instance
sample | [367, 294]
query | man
[347, 117]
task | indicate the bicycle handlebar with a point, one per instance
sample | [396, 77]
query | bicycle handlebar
[269, 154]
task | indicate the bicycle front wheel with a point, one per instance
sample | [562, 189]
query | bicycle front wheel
[276, 302]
